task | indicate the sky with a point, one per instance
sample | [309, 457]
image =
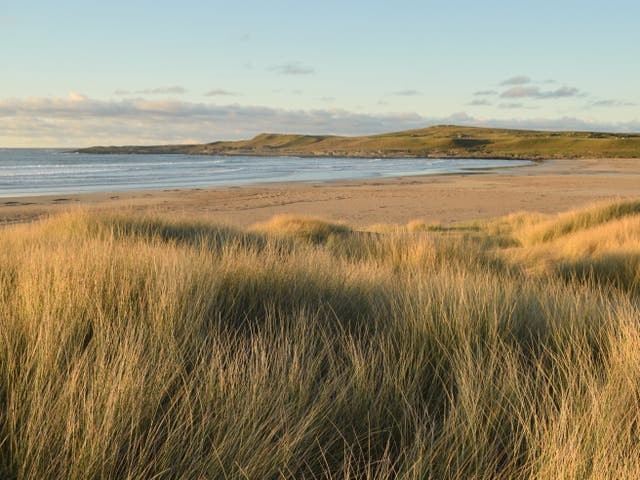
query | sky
[79, 73]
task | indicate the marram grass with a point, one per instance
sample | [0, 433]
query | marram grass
[155, 348]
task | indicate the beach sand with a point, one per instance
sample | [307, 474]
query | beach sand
[549, 187]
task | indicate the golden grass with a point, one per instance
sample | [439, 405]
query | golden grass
[306, 228]
[601, 242]
[534, 229]
[155, 347]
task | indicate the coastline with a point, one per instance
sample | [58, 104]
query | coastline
[550, 186]
[187, 172]
[343, 154]
[439, 141]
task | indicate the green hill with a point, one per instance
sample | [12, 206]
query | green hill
[437, 141]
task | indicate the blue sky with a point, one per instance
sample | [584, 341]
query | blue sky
[79, 73]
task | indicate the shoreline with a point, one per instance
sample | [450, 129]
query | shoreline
[548, 187]
[356, 156]
[466, 171]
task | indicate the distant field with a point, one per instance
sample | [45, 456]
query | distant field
[439, 141]
[165, 347]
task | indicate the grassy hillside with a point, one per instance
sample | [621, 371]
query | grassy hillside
[439, 141]
[158, 347]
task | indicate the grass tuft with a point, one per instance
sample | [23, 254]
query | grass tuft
[304, 228]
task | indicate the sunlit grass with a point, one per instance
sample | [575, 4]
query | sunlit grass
[305, 228]
[162, 347]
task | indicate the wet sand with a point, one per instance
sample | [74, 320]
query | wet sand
[549, 187]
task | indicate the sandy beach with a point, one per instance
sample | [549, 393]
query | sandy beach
[550, 186]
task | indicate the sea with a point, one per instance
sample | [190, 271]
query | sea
[27, 172]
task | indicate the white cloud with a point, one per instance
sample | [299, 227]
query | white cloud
[77, 97]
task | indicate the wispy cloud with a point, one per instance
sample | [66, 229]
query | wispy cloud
[292, 68]
[219, 92]
[481, 93]
[283, 91]
[510, 105]
[517, 80]
[479, 102]
[612, 103]
[406, 93]
[77, 120]
[537, 93]
[174, 89]
[522, 87]
[170, 90]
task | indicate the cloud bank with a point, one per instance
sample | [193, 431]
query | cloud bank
[77, 120]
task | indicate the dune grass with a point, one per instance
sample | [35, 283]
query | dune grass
[304, 228]
[157, 347]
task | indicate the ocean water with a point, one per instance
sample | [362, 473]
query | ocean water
[26, 172]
